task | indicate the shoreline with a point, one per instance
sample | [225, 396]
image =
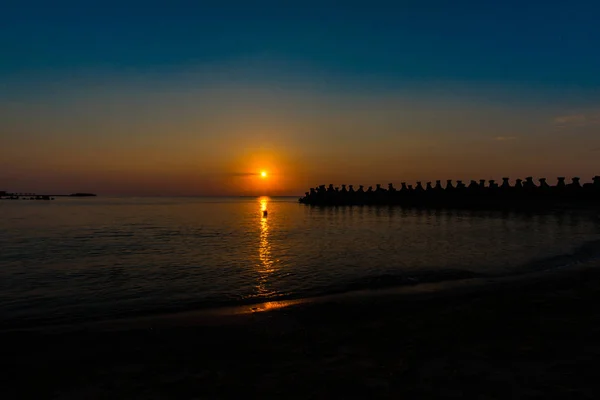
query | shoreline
[404, 293]
[233, 314]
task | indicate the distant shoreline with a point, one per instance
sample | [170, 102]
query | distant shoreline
[36, 195]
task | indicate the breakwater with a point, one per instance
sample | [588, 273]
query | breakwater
[476, 194]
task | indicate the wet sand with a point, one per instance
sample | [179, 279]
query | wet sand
[537, 337]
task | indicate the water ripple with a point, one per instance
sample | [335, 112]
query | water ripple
[99, 258]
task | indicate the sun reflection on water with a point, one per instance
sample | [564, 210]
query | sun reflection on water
[267, 264]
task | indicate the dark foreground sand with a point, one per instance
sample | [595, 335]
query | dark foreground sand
[533, 338]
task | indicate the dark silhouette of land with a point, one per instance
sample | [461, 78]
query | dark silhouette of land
[524, 194]
[33, 196]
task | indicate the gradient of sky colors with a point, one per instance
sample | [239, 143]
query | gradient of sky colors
[197, 97]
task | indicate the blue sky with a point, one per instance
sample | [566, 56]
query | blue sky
[545, 43]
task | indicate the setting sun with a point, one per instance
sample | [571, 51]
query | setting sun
[263, 174]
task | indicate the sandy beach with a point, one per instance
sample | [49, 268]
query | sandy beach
[537, 337]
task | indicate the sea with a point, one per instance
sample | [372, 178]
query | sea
[74, 260]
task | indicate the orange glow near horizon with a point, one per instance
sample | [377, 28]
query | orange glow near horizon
[264, 171]
[280, 143]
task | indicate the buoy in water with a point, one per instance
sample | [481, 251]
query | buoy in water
[265, 213]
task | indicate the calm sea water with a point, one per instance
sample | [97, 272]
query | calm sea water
[87, 259]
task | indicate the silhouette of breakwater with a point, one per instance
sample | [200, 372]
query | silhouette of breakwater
[476, 194]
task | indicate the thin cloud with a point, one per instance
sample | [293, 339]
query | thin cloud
[578, 120]
[243, 174]
[505, 138]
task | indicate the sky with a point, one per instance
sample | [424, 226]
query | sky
[199, 97]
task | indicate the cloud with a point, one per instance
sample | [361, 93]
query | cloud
[578, 120]
[505, 138]
[243, 174]
[595, 149]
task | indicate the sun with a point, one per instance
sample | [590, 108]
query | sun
[263, 174]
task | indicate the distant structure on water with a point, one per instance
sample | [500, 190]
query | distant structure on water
[477, 194]
[4, 195]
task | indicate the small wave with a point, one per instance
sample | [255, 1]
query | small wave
[585, 253]
[122, 310]
[59, 314]
[404, 279]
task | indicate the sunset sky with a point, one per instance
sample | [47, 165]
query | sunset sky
[199, 97]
